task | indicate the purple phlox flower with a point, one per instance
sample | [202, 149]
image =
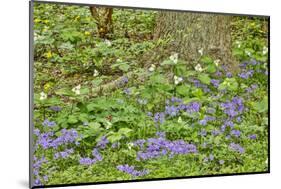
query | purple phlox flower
[161, 134]
[87, 161]
[229, 74]
[218, 73]
[48, 123]
[36, 132]
[203, 122]
[215, 132]
[215, 82]
[55, 108]
[159, 117]
[45, 177]
[124, 80]
[206, 120]
[131, 170]
[96, 154]
[246, 75]
[192, 107]
[236, 133]
[211, 157]
[127, 91]
[37, 182]
[149, 114]
[239, 119]
[229, 123]
[171, 111]
[237, 148]
[157, 147]
[103, 142]
[115, 145]
[252, 136]
[140, 143]
[64, 154]
[176, 100]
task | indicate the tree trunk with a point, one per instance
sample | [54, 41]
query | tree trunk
[103, 18]
[190, 32]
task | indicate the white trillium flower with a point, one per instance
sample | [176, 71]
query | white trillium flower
[200, 51]
[174, 58]
[177, 79]
[43, 96]
[96, 73]
[151, 68]
[217, 62]
[76, 89]
[264, 50]
[198, 68]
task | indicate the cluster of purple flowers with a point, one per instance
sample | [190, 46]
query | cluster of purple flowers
[46, 140]
[89, 161]
[123, 81]
[234, 107]
[252, 136]
[206, 120]
[48, 123]
[128, 91]
[171, 110]
[252, 88]
[237, 148]
[157, 147]
[215, 82]
[131, 170]
[103, 142]
[64, 154]
[36, 168]
[159, 117]
[55, 108]
[246, 75]
[235, 133]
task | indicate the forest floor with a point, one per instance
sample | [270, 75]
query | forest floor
[117, 109]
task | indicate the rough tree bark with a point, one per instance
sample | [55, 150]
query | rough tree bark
[191, 32]
[103, 19]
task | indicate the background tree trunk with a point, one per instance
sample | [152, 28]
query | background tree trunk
[190, 32]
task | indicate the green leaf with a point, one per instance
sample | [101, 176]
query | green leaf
[204, 78]
[206, 60]
[261, 106]
[183, 90]
[211, 68]
[72, 119]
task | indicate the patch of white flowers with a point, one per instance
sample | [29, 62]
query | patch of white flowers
[151, 68]
[198, 68]
[177, 79]
[200, 51]
[174, 58]
[43, 96]
[76, 89]
[96, 73]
